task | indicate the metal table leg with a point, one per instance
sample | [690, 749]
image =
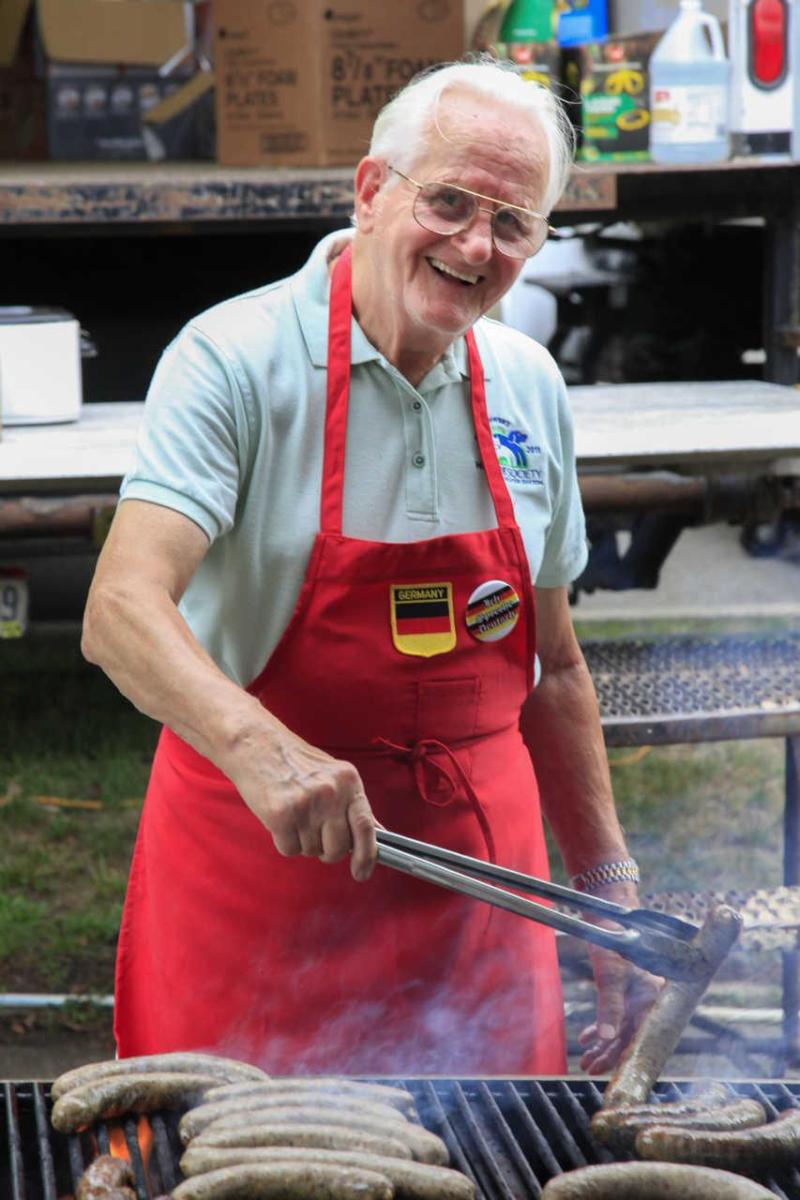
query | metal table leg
[791, 876]
[782, 293]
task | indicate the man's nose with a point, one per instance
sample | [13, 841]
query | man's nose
[475, 242]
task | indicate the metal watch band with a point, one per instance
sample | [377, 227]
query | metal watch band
[625, 870]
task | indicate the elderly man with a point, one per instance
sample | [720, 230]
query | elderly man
[339, 562]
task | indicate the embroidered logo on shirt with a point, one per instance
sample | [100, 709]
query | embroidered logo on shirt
[514, 453]
[422, 618]
[492, 610]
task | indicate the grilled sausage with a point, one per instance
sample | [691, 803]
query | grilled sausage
[633, 1180]
[197, 1119]
[767, 1147]
[330, 1137]
[709, 1096]
[619, 1135]
[118, 1094]
[607, 1121]
[411, 1180]
[424, 1146]
[278, 1181]
[106, 1178]
[206, 1064]
[383, 1093]
[659, 1033]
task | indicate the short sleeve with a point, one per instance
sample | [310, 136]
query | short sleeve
[192, 444]
[565, 549]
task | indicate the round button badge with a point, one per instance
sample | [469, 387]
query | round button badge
[492, 611]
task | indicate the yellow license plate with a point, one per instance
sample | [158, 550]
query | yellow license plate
[13, 604]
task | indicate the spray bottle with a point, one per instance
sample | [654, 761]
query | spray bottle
[689, 76]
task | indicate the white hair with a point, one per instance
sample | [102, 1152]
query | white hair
[404, 126]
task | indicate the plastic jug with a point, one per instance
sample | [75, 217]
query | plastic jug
[689, 76]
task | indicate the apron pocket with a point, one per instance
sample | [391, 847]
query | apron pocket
[447, 709]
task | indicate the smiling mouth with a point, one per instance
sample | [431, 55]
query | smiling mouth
[451, 273]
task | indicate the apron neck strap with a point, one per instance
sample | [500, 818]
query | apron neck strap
[338, 394]
[338, 391]
[503, 507]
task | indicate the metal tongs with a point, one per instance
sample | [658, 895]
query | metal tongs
[655, 941]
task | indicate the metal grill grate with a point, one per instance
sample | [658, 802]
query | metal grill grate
[510, 1137]
[663, 690]
[674, 675]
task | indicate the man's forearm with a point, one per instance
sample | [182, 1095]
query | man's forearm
[145, 647]
[561, 727]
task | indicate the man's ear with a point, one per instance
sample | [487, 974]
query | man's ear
[370, 174]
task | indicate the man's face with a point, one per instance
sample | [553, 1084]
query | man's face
[440, 285]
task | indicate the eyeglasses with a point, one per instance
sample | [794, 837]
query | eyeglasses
[447, 209]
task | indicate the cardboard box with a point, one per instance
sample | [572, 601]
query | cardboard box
[23, 127]
[96, 112]
[182, 126]
[128, 32]
[300, 82]
[102, 71]
[612, 80]
[13, 15]
[537, 61]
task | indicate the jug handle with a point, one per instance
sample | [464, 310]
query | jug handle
[714, 33]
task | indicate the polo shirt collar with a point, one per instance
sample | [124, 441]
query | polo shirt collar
[310, 289]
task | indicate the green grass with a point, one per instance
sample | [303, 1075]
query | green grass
[703, 816]
[695, 816]
[70, 737]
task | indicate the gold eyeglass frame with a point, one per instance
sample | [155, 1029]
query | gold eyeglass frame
[480, 208]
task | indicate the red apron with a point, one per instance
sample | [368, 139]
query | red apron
[287, 962]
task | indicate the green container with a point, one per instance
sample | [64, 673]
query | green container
[529, 21]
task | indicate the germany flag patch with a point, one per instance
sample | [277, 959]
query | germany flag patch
[422, 618]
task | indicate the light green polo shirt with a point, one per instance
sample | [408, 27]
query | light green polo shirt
[232, 437]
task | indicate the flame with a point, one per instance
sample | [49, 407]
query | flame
[118, 1146]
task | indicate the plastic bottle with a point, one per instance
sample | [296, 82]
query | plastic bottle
[528, 21]
[689, 90]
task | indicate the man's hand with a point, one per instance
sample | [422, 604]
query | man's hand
[312, 804]
[624, 995]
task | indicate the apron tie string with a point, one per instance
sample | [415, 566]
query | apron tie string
[423, 755]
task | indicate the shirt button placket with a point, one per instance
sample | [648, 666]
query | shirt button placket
[421, 477]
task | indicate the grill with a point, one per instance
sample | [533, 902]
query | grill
[508, 1136]
[672, 676]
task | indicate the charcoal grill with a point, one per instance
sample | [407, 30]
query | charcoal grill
[509, 1136]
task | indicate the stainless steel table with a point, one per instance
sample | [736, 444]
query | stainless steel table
[690, 428]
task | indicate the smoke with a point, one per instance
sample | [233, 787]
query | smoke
[414, 1028]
